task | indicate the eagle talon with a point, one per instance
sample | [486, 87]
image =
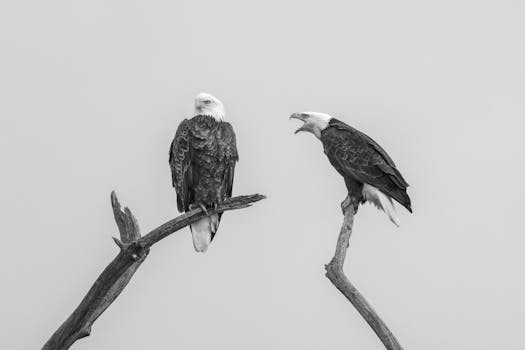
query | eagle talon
[199, 205]
[347, 203]
[203, 208]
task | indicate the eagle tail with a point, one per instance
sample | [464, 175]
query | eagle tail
[381, 201]
[203, 231]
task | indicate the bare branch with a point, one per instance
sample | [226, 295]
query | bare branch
[335, 273]
[133, 251]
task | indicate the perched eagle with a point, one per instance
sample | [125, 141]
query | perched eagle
[369, 172]
[202, 161]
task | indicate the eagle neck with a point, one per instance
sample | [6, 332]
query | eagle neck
[208, 118]
[216, 115]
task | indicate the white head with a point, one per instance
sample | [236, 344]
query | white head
[206, 104]
[314, 122]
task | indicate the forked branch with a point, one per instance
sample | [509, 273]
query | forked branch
[335, 273]
[133, 251]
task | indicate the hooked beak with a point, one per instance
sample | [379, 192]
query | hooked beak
[302, 117]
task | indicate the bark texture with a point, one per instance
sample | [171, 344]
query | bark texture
[335, 273]
[134, 249]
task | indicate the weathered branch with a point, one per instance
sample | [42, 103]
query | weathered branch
[133, 251]
[335, 273]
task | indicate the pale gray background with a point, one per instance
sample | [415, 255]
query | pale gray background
[93, 91]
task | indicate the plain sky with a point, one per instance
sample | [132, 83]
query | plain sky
[92, 93]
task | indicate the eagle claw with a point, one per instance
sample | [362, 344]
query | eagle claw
[199, 205]
[346, 204]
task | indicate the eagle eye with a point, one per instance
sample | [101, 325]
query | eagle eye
[207, 102]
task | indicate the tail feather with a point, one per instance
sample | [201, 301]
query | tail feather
[203, 231]
[381, 201]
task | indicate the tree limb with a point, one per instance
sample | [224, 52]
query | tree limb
[335, 273]
[133, 251]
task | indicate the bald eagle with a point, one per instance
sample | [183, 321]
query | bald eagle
[369, 172]
[202, 159]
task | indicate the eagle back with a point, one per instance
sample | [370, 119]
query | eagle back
[345, 142]
[357, 157]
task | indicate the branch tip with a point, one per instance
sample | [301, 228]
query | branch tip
[114, 200]
[118, 242]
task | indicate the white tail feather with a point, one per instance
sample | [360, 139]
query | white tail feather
[381, 201]
[201, 232]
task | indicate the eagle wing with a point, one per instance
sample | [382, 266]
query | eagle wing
[355, 154]
[181, 165]
[228, 153]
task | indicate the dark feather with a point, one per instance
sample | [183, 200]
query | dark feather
[181, 165]
[202, 161]
[359, 159]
